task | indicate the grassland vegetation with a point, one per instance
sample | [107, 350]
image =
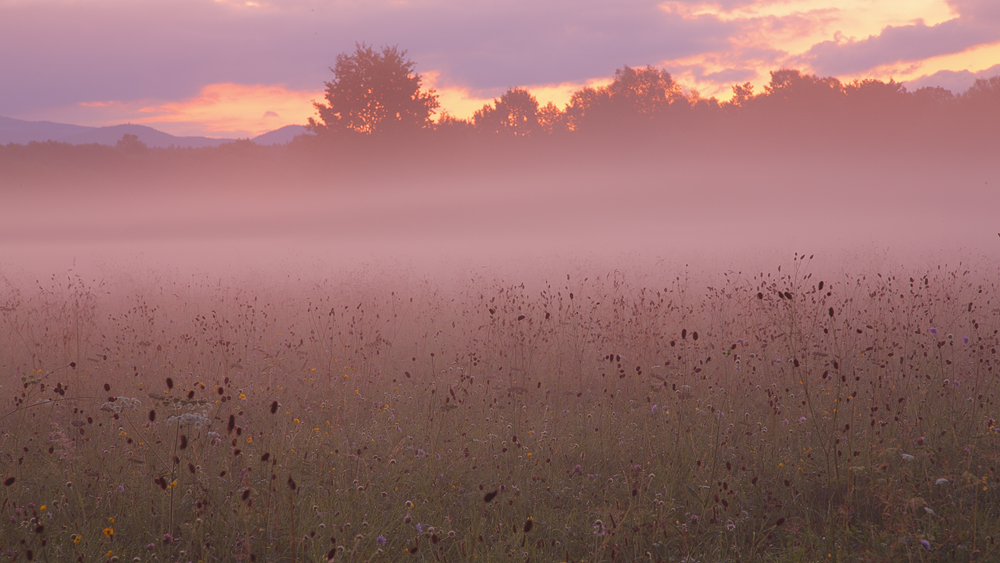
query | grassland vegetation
[598, 416]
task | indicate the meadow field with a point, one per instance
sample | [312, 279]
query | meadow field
[795, 413]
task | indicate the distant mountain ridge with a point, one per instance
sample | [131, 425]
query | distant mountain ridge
[24, 132]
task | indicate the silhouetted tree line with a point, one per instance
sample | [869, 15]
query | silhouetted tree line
[377, 94]
[375, 106]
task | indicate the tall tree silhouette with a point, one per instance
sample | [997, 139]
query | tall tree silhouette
[791, 90]
[983, 98]
[374, 93]
[645, 92]
[515, 113]
[636, 96]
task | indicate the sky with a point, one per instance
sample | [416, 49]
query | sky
[233, 69]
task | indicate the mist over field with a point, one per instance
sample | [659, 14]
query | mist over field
[684, 205]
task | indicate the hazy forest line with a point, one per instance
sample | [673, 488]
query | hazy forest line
[641, 109]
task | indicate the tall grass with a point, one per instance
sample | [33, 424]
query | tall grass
[600, 416]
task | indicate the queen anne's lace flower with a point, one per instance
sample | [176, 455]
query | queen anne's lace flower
[120, 404]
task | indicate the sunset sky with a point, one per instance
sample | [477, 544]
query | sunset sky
[227, 68]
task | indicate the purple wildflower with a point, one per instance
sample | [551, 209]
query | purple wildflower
[965, 340]
[933, 331]
[380, 540]
[926, 544]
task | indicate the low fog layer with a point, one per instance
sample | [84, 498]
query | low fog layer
[682, 206]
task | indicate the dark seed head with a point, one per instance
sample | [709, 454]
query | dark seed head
[488, 497]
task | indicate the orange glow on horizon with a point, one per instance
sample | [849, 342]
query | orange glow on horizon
[224, 110]
[462, 102]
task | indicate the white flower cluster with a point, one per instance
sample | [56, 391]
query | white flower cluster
[189, 418]
[120, 404]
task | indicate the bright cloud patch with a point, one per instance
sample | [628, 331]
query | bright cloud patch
[844, 38]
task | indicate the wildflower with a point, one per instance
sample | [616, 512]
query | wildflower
[908, 457]
[189, 418]
[654, 409]
[802, 420]
[926, 544]
[109, 532]
[168, 539]
[599, 528]
[941, 481]
[380, 540]
[578, 470]
[730, 525]
[965, 340]
[420, 528]
[933, 331]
